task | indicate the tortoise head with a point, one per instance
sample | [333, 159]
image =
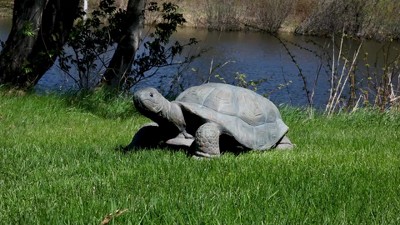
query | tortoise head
[150, 102]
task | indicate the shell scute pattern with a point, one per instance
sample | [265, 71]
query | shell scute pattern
[251, 119]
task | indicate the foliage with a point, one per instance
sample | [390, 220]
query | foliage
[89, 40]
[28, 29]
[58, 166]
[157, 51]
[94, 37]
[240, 80]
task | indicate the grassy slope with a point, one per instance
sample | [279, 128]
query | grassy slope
[57, 166]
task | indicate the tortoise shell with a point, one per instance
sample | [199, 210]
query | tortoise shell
[253, 120]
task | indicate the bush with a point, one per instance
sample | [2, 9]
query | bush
[372, 19]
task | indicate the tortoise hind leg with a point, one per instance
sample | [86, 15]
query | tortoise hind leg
[284, 144]
[207, 140]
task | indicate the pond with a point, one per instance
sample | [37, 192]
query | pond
[294, 70]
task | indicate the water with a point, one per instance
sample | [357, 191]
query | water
[262, 56]
[257, 55]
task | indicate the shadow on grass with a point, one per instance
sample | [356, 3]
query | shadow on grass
[227, 146]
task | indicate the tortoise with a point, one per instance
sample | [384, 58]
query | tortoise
[208, 115]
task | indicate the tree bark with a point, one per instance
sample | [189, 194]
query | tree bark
[38, 33]
[120, 65]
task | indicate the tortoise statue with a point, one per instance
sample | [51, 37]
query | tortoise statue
[208, 115]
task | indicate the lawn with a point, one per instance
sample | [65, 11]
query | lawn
[58, 166]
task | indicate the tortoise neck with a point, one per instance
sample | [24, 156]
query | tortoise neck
[174, 115]
[169, 116]
[166, 109]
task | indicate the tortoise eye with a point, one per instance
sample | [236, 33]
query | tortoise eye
[151, 94]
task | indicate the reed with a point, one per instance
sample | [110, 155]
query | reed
[341, 73]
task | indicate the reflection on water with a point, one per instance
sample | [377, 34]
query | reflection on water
[258, 56]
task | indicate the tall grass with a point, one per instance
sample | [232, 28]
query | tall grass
[58, 166]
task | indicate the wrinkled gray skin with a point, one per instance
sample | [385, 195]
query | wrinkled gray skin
[207, 116]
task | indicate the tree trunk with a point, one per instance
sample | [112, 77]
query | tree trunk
[120, 65]
[38, 33]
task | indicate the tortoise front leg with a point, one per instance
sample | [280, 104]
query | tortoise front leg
[207, 140]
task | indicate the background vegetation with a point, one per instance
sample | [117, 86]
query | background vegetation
[58, 166]
[370, 18]
[367, 18]
[6, 7]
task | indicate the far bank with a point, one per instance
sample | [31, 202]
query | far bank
[374, 19]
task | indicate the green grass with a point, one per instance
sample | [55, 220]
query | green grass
[58, 166]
